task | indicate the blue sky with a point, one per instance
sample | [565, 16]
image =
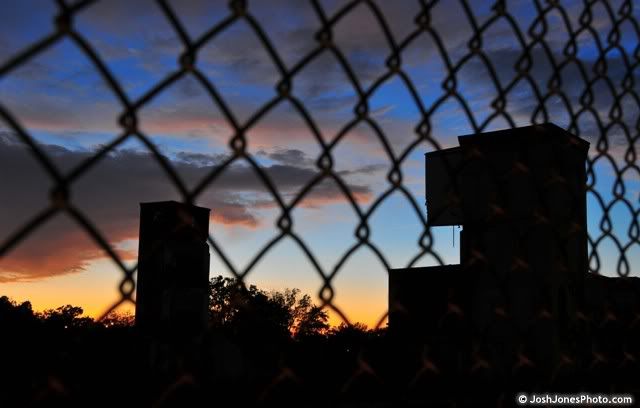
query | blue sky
[63, 102]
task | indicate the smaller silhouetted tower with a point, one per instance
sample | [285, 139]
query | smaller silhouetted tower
[173, 269]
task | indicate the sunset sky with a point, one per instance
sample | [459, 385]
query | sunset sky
[62, 101]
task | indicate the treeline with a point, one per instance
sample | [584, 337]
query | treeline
[246, 310]
[260, 345]
[233, 308]
[17, 316]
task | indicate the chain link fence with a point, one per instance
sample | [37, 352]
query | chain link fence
[611, 28]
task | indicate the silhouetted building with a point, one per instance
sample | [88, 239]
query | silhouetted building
[173, 268]
[520, 196]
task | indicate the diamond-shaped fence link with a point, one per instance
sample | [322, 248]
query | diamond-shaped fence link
[613, 126]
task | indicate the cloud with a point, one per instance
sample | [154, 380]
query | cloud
[109, 194]
[521, 101]
[288, 156]
[141, 54]
[327, 193]
[201, 159]
[365, 170]
[383, 110]
[140, 47]
[58, 247]
[138, 44]
[298, 158]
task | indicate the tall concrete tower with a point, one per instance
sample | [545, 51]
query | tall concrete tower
[173, 269]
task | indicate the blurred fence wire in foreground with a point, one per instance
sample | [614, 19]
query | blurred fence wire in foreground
[610, 28]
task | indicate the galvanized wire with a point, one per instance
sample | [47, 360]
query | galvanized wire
[529, 39]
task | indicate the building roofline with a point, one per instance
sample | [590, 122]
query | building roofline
[506, 135]
[531, 131]
[443, 151]
[173, 203]
[427, 269]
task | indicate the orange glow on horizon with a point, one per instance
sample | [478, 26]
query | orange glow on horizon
[94, 307]
[83, 290]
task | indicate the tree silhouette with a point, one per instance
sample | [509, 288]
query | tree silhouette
[118, 320]
[349, 337]
[309, 319]
[249, 310]
[67, 317]
[14, 316]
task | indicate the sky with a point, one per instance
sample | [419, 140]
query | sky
[61, 100]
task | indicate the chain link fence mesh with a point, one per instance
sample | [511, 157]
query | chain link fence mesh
[614, 135]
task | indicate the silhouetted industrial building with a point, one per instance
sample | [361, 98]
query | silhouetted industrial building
[173, 269]
[520, 197]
